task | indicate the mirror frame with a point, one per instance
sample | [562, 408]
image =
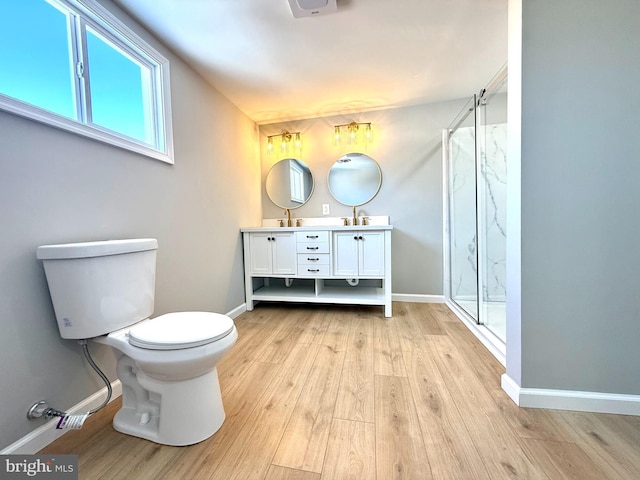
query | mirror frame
[271, 194]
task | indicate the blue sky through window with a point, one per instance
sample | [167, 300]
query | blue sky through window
[37, 67]
[116, 89]
[35, 62]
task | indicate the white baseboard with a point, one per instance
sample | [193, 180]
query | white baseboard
[47, 433]
[414, 298]
[597, 402]
[511, 388]
[236, 312]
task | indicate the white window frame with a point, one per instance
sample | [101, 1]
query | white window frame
[296, 181]
[88, 13]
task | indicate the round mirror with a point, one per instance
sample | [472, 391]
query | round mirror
[289, 183]
[354, 179]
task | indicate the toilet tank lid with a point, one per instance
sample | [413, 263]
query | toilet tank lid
[95, 249]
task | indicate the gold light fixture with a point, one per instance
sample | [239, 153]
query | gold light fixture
[352, 133]
[286, 142]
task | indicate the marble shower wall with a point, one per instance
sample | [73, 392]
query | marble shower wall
[462, 206]
[493, 188]
[492, 206]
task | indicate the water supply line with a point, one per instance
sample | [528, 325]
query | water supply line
[288, 282]
[352, 281]
[71, 421]
[87, 355]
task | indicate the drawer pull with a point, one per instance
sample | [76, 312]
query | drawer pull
[312, 259]
[312, 236]
[313, 270]
[313, 248]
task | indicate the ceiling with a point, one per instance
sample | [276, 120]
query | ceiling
[370, 54]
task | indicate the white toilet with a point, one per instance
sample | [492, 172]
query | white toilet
[104, 291]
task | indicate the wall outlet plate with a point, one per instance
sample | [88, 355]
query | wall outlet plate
[325, 209]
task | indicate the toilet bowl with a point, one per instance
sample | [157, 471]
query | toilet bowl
[170, 389]
[104, 292]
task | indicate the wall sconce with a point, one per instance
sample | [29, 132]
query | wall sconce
[352, 133]
[285, 141]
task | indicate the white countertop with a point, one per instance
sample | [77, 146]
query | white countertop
[315, 228]
[374, 222]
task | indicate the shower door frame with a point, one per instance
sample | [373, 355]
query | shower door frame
[494, 344]
[469, 110]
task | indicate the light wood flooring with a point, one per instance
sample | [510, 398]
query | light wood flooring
[332, 392]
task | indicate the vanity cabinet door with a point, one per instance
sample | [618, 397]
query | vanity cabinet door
[284, 257]
[273, 253]
[371, 253]
[358, 253]
[260, 247]
[345, 254]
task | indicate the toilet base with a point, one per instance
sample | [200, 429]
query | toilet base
[174, 413]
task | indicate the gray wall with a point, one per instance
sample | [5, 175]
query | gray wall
[407, 145]
[59, 187]
[580, 165]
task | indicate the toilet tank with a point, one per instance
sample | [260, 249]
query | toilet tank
[99, 287]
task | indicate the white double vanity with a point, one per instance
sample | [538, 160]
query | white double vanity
[319, 264]
[321, 260]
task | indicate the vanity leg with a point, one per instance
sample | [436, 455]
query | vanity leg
[248, 280]
[248, 293]
[386, 282]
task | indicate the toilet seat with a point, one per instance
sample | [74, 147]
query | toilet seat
[175, 331]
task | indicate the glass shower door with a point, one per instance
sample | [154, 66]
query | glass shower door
[463, 251]
[475, 154]
[491, 137]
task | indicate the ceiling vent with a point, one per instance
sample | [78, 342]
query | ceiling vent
[312, 8]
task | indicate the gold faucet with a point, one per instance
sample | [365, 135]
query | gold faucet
[355, 219]
[288, 212]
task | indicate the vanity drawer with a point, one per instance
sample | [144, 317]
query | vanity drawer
[313, 270]
[313, 259]
[312, 237]
[312, 247]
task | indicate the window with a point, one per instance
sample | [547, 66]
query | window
[75, 66]
[296, 180]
